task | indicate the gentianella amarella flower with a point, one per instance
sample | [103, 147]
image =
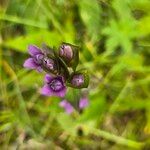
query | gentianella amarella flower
[54, 86]
[61, 63]
[35, 61]
[78, 80]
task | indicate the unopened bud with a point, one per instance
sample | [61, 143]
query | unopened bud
[69, 54]
[66, 52]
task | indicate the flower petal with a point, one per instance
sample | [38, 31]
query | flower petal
[48, 78]
[83, 103]
[63, 103]
[67, 106]
[29, 63]
[46, 91]
[34, 50]
[69, 109]
[39, 69]
[61, 93]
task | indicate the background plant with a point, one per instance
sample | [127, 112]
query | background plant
[114, 39]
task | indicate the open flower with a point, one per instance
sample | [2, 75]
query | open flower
[54, 86]
[77, 80]
[35, 61]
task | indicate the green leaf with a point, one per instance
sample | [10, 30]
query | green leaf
[42, 36]
[95, 108]
[67, 123]
[120, 33]
[144, 26]
[5, 127]
[31, 78]
[90, 13]
[63, 67]
[122, 8]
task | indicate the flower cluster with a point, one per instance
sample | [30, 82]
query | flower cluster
[60, 66]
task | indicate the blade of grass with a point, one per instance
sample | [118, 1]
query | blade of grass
[22, 106]
[23, 21]
[114, 138]
[50, 16]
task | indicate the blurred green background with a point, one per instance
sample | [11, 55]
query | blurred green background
[114, 40]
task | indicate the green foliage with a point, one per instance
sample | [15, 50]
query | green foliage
[114, 41]
[90, 15]
[42, 36]
[96, 109]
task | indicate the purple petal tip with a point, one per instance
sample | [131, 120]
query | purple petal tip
[84, 102]
[34, 50]
[67, 106]
[46, 91]
[29, 63]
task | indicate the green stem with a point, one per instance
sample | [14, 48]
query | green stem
[117, 139]
[23, 21]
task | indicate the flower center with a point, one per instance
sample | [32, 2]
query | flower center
[48, 63]
[78, 80]
[56, 85]
[38, 58]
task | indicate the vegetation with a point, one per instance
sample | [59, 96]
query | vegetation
[113, 36]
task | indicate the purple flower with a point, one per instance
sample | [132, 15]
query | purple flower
[67, 106]
[50, 64]
[54, 86]
[66, 52]
[35, 61]
[77, 80]
[83, 103]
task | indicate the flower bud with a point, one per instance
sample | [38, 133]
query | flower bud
[66, 52]
[69, 54]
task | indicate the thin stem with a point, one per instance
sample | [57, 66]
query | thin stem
[117, 139]
[23, 114]
[115, 104]
[23, 21]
